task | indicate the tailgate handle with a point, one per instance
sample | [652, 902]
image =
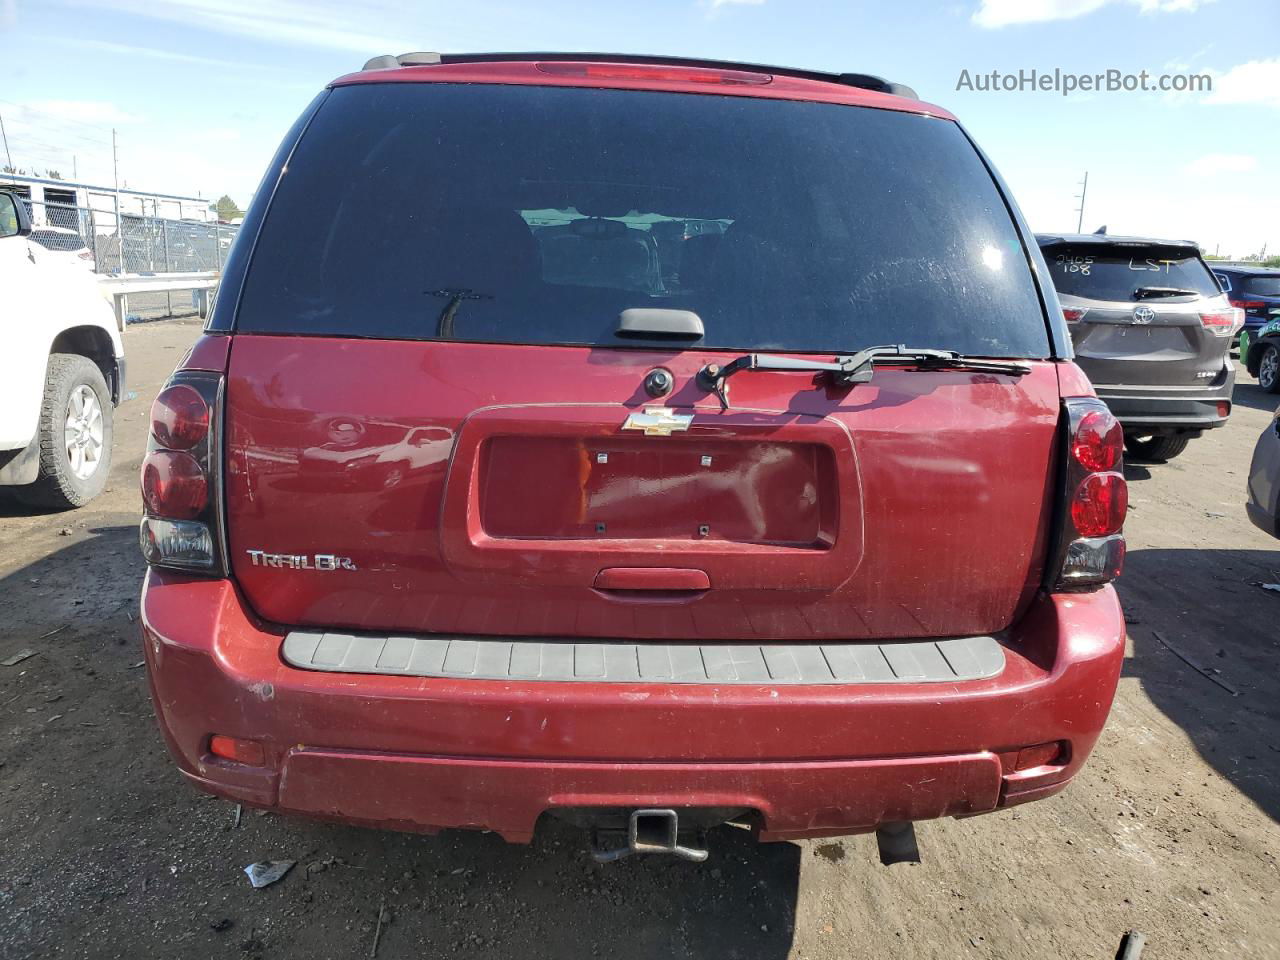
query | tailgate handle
[666, 579]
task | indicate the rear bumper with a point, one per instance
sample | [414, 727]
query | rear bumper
[423, 754]
[1170, 409]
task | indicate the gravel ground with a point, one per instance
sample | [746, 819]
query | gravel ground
[1171, 830]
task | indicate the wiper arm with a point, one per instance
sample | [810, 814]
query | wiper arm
[1144, 293]
[715, 379]
[859, 368]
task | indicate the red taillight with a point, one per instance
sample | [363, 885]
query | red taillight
[179, 417]
[1074, 314]
[644, 71]
[1098, 442]
[248, 752]
[173, 485]
[1223, 323]
[1088, 547]
[181, 477]
[1099, 504]
[1248, 304]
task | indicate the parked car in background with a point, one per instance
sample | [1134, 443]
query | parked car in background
[62, 245]
[1255, 290]
[1263, 504]
[463, 531]
[62, 371]
[1152, 330]
[1261, 354]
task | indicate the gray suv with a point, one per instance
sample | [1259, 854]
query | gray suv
[1151, 328]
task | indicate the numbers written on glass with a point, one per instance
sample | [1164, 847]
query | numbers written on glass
[1074, 264]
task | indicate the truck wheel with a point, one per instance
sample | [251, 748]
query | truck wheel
[1269, 369]
[75, 435]
[1156, 449]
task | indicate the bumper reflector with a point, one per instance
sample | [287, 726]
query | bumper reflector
[248, 752]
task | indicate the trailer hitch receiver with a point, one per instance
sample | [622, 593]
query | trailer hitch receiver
[651, 831]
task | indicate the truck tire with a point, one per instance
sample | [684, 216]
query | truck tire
[1156, 449]
[1269, 368]
[75, 435]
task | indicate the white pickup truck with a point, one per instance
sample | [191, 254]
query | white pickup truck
[62, 371]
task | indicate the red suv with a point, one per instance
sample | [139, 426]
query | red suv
[541, 457]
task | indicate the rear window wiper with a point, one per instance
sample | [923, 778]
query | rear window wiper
[858, 368]
[1145, 293]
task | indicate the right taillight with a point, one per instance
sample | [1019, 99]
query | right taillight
[181, 477]
[1223, 323]
[1090, 548]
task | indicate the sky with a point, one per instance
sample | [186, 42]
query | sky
[200, 92]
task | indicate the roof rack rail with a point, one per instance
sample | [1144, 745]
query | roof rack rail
[864, 81]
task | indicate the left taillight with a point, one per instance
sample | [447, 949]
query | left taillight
[1089, 548]
[182, 476]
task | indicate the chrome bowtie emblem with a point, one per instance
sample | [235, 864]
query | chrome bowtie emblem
[658, 421]
[1143, 315]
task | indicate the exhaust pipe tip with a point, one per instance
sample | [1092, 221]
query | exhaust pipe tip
[897, 843]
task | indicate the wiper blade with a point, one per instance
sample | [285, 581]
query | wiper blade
[1144, 293]
[858, 368]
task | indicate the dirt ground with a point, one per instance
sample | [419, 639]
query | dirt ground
[1171, 830]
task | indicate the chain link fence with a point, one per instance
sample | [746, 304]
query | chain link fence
[100, 242]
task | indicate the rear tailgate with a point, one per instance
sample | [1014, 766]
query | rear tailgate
[468, 499]
[427, 401]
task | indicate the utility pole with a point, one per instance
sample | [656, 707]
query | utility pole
[115, 172]
[4, 136]
[74, 174]
[1084, 188]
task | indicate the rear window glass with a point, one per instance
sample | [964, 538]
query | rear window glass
[1101, 272]
[1262, 286]
[526, 214]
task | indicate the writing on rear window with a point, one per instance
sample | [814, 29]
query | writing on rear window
[1099, 272]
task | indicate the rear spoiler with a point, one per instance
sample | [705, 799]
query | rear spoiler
[863, 81]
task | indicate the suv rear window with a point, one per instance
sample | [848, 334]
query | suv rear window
[1262, 286]
[1103, 272]
[526, 214]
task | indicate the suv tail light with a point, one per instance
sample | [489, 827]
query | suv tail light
[1248, 304]
[1074, 314]
[1223, 323]
[182, 477]
[1089, 547]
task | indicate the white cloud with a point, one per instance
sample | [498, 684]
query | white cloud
[153, 53]
[1255, 82]
[297, 22]
[100, 113]
[1002, 13]
[1213, 164]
